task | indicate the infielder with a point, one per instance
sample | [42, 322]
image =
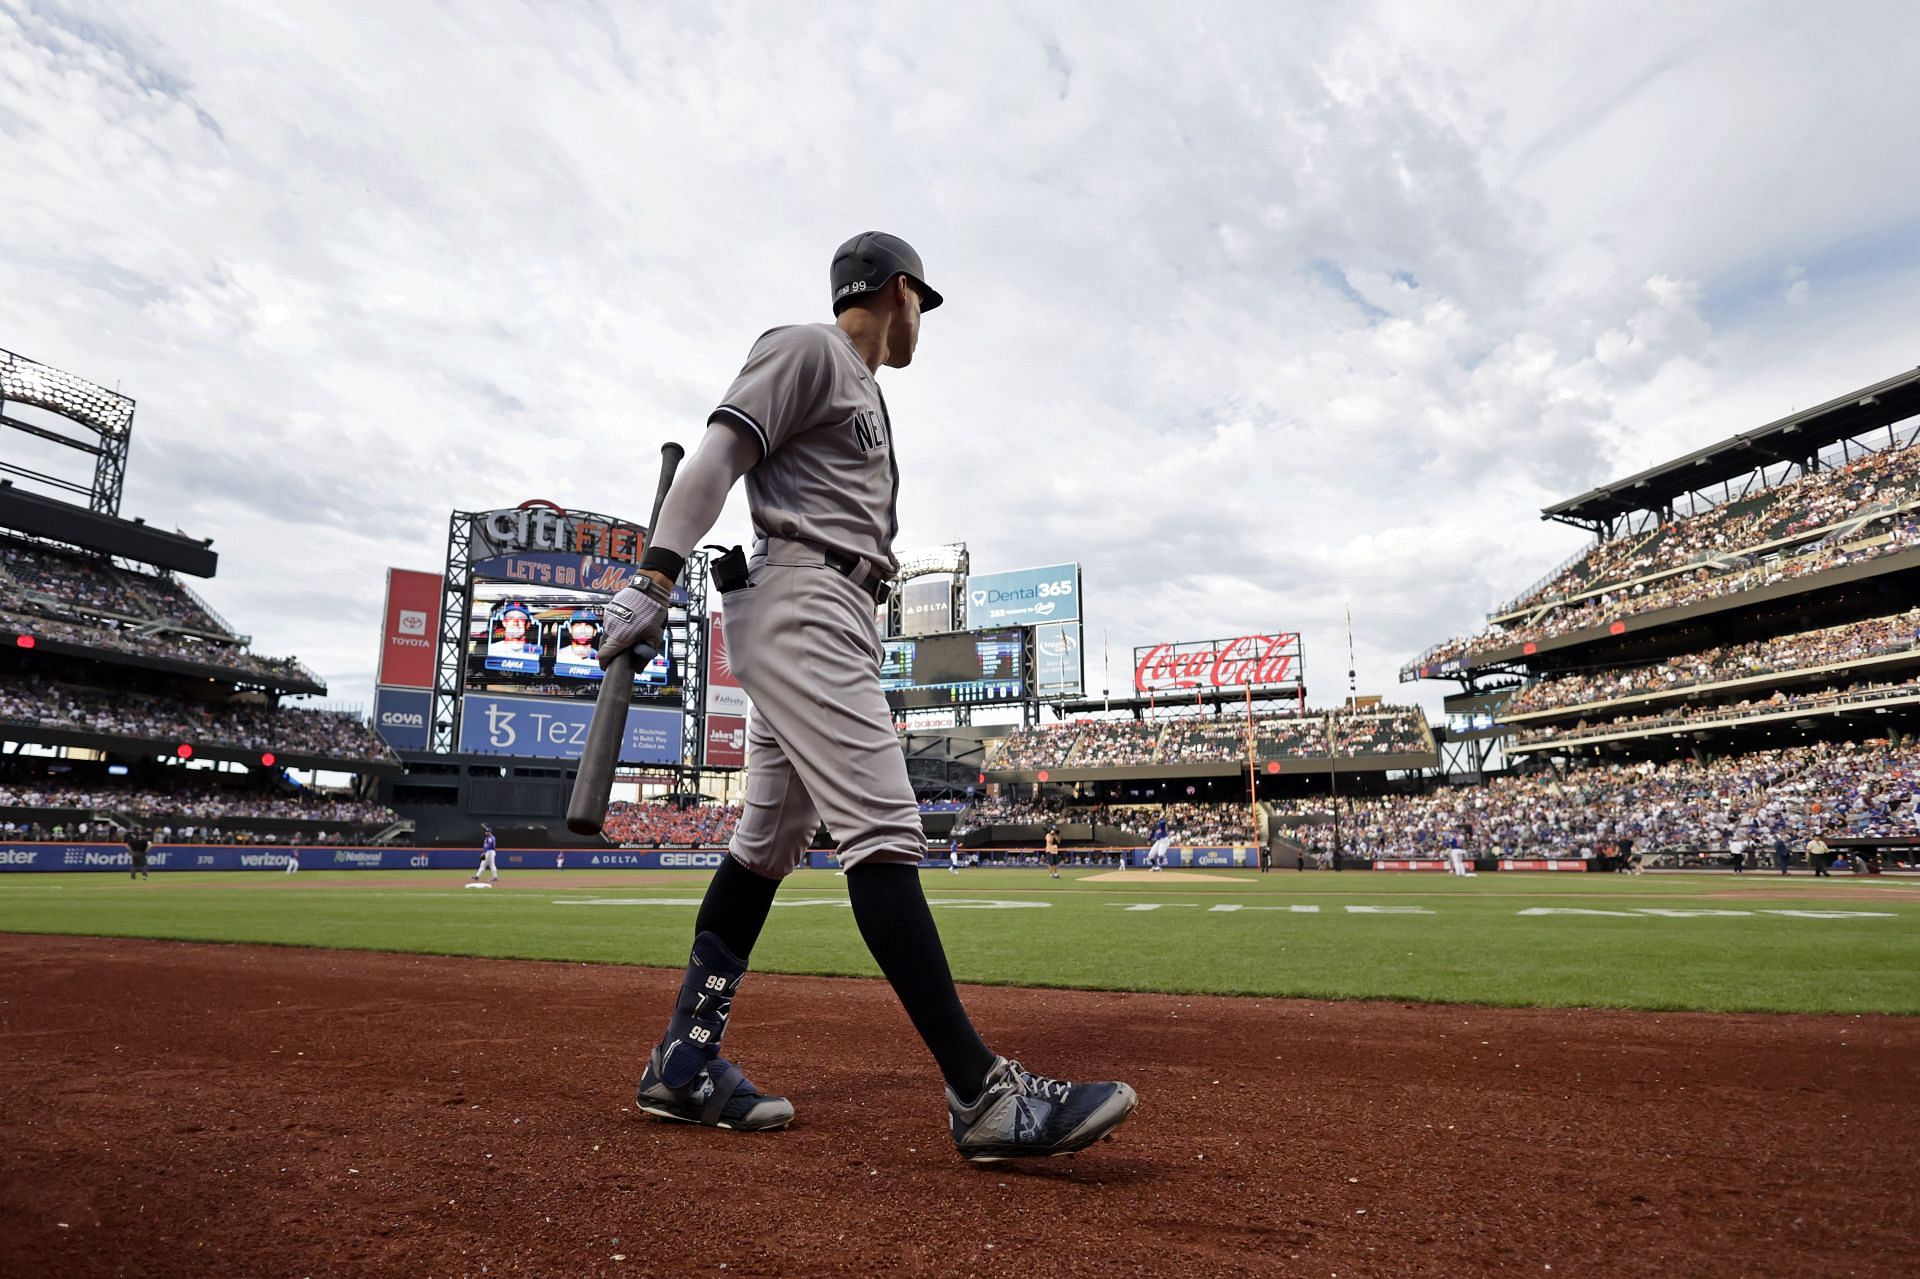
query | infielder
[487, 864]
[293, 861]
[806, 426]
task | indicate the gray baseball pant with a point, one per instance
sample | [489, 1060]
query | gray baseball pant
[820, 740]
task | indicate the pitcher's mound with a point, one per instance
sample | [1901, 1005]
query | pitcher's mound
[1157, 877]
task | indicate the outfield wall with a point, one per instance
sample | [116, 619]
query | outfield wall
[115, 857]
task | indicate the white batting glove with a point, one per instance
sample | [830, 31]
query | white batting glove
[636, 619]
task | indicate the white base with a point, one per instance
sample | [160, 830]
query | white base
[473, 883]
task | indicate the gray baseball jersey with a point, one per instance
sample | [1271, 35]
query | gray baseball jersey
[827, 473]
[801, 637]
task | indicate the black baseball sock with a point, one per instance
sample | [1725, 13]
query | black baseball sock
[898, 928]
[735, 907]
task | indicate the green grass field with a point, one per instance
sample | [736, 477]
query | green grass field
[1354, 935]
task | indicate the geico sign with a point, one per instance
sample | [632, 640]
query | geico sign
[543, 526]
[402, 719]
[690, 859]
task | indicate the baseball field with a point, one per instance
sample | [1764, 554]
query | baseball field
[356, 1072]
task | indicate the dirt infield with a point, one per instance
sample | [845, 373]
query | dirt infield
[174, 1109]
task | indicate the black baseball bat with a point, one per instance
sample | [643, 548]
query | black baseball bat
[593, 783]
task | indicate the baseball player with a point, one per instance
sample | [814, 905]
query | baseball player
[487, 864]
[293, 861]
[1157, 855]
[1053, 850]
[137, 845]
[516, 620]
[582, 630]
[805, 425]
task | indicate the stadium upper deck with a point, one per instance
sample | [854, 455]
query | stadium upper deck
[1823, 525]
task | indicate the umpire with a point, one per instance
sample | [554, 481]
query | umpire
[805, 425]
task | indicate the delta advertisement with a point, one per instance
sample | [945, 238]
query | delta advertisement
[400, 716]
[1024, 597]
[408, 634]
[550, 728]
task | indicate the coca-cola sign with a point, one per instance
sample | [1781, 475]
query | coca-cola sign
[1249, 661]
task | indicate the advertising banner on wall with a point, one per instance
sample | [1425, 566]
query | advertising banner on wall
[726, 745]
[724, 694]
[550, 728]
[1059, 668]
[926, 606]
[410, 628]
[1247, 661]
[537, 525]
[400, 717]
[1024, 597]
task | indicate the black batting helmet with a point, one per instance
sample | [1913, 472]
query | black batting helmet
[869, 260]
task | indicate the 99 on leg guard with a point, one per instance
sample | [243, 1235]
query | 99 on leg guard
[700, 1014]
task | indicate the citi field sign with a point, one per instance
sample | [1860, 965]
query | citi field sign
[538, 525]
[1247, 661]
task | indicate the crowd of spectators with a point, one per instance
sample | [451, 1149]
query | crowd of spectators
[242, 725]
[647, 825]
[138, 641]
[1702, 584]
[1030, 748]
[1196, 739]
[1828, 646]
[1686, 716]
[94, 584]
[1839, 790]
[71, 810]
[1112, 743]
[1187, 823]
[1800, 508]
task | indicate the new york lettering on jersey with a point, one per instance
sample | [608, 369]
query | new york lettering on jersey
[827, 474]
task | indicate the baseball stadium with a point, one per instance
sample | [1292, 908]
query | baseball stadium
[1591, 946]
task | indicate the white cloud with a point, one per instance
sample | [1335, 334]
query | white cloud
[1253, 310]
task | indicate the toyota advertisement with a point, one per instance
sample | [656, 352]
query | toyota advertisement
[411, 629]
[1024, 597]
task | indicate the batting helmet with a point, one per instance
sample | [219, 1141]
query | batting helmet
[869, 260]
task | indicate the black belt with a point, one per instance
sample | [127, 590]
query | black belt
[851, 567]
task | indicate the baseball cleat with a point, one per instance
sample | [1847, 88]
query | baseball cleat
[1020, 1114]
[719, 1096]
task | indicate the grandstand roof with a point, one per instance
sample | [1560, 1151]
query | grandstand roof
[1795, 437]
[47, 517]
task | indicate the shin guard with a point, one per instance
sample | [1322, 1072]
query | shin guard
[700, 1014]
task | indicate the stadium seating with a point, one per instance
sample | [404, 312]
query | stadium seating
[1898, 535]
[146, 641]
[1828, 646]
[1692, 717]
[1802, 508]
[1187, 823]
[667, 825]
[43, 703]
[1863, 789]
[87, 584]
[1213, 740]
[204, 812]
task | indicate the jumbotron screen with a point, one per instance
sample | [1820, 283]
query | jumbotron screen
[547, 643]
[972, 668]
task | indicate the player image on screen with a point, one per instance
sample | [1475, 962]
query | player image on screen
[514, 640]
[579, 658]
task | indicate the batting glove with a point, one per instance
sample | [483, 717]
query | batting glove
[636, 619]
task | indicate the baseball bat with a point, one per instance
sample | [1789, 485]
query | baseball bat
[593, 783]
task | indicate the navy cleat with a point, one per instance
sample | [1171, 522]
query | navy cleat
[1020, 1114]
[719, 1096]
[686, 1077]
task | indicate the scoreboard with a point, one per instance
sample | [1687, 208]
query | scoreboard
[960, 668]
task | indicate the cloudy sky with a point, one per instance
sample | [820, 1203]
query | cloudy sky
[1256, 310]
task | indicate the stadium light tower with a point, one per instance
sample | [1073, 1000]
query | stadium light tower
[107, 415]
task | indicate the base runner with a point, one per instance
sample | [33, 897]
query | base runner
[806, 426]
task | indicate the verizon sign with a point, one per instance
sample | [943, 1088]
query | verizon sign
[1249, 661]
